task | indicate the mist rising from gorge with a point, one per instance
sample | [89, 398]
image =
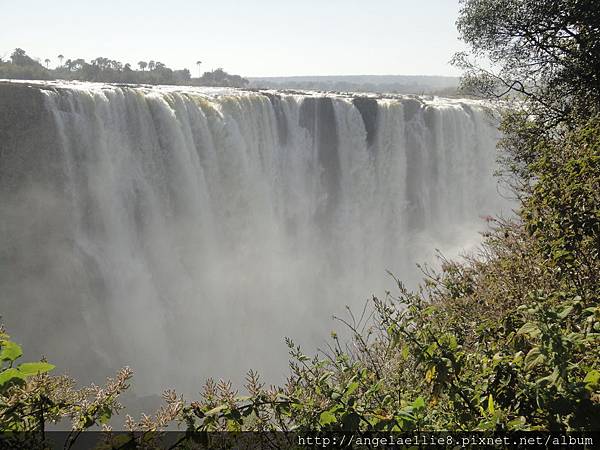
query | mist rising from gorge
[185, 232]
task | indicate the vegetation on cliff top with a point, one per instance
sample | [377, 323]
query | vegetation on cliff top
[22, 67]
[504, 340]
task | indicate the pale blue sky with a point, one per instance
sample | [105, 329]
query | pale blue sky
[252, 38]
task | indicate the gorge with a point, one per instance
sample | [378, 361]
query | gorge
[185, 231]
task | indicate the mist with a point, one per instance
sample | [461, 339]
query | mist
[185, 231]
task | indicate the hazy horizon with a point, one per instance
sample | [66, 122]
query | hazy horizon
[256, 39]
[358, 75]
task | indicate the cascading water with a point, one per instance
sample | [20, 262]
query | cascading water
[185, 232]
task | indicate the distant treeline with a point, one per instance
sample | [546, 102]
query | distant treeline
[20, 66]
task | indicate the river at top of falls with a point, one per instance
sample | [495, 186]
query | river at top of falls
[185, 231]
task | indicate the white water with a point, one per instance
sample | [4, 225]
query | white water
[186, 232]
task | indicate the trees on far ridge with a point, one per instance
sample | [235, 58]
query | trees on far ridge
[102, 69]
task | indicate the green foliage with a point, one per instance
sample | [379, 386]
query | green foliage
[11, 374]
[563, 211]
[9, 351]
[31, 399]
[543, 50]
[219, 77]
[107, 70]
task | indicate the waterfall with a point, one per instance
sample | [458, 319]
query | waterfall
[186, 231]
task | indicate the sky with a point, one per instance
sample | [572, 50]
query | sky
[250, 38]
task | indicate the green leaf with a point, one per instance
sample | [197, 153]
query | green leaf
[418, 403]
[405, 352]
[325, 377]
[486, 425]
[104, 415]
[452, 343]
[565, 312]
[592, 379]
[490, 407]
[29, 369]
[10, 351]
[216, 410]
[517, 424]
[551, 379]
[430, 374]
[351, 388]
[431, 349]
[534, 358]
[326, 418]
[10, 375]
[529, 328]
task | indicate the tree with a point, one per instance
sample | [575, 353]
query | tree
[47, 61]
[60, 58]
[182, 76]
[546, 51]
[151, 65]
[20, 58]
[19, 53]
[198, 64]
[102, 63]
[142, 65]
[75, 65]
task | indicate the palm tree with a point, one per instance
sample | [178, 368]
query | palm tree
[143, 65]
[151, 65]
[198, 64]
[47, 61]
[60, 58]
